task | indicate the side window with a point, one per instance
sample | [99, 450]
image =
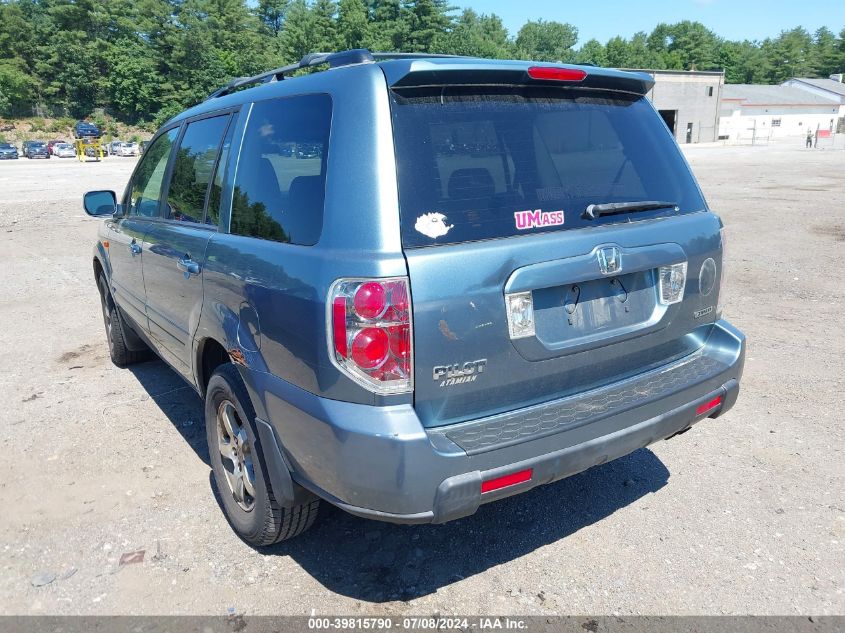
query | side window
[281, 177]
[193, 168]
[146, 185]
[212, 216]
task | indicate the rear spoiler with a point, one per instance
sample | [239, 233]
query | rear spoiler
[417, 73]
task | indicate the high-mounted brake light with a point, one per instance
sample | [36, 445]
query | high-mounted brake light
[556, 74]
[370, 325]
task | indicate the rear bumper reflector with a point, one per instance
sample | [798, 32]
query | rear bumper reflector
[707, 406]
[507, 480]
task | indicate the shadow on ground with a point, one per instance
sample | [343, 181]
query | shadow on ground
[177, 400]
[378, 562]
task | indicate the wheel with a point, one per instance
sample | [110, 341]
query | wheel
[245, 490]
[120, 353]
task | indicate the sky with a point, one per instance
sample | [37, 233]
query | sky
[731, 19]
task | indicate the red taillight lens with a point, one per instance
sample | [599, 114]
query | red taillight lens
[400, 341]
[556, 74]
[370, 347]
[707, 406]
[508, 480]
[370, 300]
[339, 326]
[371, 332]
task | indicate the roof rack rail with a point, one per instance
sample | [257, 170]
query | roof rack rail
[334, 60]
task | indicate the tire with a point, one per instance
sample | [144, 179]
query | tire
[245, 492]
[120, 353]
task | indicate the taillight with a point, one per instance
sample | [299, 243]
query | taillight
[720, 301]
[671, 283]
[556, 74]
[370, 325]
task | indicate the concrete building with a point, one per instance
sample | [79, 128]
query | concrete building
[754, 112]
[689, 102]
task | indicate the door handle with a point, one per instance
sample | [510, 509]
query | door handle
[135, 248]
[188, 266]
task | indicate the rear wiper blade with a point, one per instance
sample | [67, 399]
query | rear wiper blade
[594, 211]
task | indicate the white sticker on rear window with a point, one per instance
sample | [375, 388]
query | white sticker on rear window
[432, 225]
[537, 219]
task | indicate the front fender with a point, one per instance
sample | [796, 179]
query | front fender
[101, 256]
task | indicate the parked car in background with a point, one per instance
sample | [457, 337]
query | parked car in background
[128, 149]
[85, 129]
[114, 147]
[64, 150]
[36, 149]
[52, 144]
[8, 151]
[409, 328]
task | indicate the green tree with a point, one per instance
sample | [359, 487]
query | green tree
[617, 52]
[132, 82]
[352, 23]
[827, 58]
[324, 26]
[426, 20]
[639, 55]
[791, 55]
[475, 35]
[592, 52]
[271, 13]
[16, 90]
[388, 29]
[685, 45]
[546, 41]
[296, 36]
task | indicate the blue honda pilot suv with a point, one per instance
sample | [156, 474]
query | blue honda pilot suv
[409, 285]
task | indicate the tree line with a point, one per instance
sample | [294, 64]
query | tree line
[145, 60]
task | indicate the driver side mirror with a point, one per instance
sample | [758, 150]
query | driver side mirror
[99, 204]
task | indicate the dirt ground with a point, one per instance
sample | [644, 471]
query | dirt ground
[743, 514]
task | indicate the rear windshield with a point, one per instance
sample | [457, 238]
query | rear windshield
[480, 165]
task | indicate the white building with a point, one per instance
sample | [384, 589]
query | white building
[832, 88]
[828, 88]
[761, 112]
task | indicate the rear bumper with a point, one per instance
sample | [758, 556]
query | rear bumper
[381, 463]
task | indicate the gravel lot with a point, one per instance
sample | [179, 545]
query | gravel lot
[743, 514]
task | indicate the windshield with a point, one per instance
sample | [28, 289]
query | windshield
[478, 165]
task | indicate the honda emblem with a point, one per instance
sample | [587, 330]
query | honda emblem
[610, 260]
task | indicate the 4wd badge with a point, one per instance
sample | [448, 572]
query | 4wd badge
[458, 373]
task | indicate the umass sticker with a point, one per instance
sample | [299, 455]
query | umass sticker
[537, 219]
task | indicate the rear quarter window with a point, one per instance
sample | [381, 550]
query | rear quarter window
[279, 187]
[481, 165]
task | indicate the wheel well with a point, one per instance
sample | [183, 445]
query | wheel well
[98, 270]
[212, 355]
